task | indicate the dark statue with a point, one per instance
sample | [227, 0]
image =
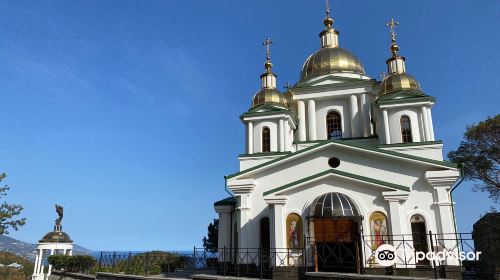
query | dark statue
[60, 212]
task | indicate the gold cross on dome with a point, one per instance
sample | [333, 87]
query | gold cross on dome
[392, 26]
[327, 4]
[268, 44]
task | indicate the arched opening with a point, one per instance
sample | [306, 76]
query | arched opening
[333, 125]
[336, 240]
[266, 139]
[406, 129]
[265, 244]
[419, 236]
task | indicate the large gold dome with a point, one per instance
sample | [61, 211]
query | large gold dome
[398, 81]
[269, 96]
[331, 60]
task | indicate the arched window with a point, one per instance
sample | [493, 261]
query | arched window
[406, 129]
[333, 125]
[266, 140]
[419, 235]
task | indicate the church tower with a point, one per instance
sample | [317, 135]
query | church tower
[269, 122]
[403, 110]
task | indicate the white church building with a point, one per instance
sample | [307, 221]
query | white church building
[339, 158]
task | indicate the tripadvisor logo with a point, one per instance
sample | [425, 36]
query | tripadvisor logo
[386, 255]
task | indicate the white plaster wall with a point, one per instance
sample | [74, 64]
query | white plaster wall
[395, 124]
[368, 198]
[428, 151]
[257, 135]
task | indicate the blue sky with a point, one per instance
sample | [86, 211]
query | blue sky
[126, 112]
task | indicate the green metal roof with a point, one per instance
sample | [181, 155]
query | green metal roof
[228, 201]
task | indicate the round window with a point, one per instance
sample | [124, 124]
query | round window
[334, 162]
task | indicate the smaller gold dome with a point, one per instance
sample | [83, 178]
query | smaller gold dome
[331, 60]
[398, 81]
[269, 96]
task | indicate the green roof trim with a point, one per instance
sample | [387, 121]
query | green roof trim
[423, 143]
[404, 96]
[228, 201]
[342, 174]
[263, 154]
[349, 144]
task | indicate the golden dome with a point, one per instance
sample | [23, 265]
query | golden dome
[398, 81]
[269, 96]
[331, 60]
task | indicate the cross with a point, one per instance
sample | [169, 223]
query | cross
[287, 86]
[268, 44]
[392, 26]
[327, 4]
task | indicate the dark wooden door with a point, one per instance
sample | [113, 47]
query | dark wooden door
[337, 245]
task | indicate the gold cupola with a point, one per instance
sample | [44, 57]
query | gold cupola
[397, 78]
[268, 94]
[330, 58]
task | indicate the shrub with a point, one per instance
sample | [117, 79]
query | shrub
[79, 263]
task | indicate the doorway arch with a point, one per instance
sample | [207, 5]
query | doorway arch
[337, 227]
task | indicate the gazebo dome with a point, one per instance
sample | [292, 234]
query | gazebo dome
[334, 205]
[56, 237]
[328, 60]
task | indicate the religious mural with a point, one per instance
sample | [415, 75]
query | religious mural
[294, 231]
[378, 226]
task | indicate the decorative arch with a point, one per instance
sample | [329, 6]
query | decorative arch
[378, 229]
[419, 234]
[266, 139]
[406, 134]
[294, 233]
[333, 125]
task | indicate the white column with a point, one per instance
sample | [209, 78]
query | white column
[278, 232]
[401, 240]
[50, 266]
[302, 120]
[355, 128]
[426, 124]
[442, 181]
[365, 116]
[37, 259]
[250, 138]
[286, 132]
[224, 233]
[311, 115]
[281, 135]
[430, 124]
[387, 134]
[40, 267]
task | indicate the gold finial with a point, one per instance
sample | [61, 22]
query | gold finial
[392, 26]
[328, 21]
[267, 43]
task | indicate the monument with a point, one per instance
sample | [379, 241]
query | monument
[55, 242]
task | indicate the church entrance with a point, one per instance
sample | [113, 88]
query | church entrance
[336, 227]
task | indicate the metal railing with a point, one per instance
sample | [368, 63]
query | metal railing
[357, 256]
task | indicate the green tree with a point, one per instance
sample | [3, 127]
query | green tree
[210, 242]
[9, 212]
[479, 153]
